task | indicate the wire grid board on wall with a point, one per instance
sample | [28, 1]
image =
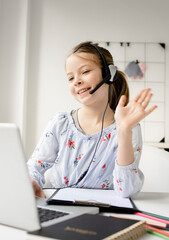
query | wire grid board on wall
[152, 57]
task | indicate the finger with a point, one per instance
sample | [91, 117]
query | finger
[122, 101]
[147, 100]
[143, 96]
[140, 97]
[40, 193]
[150, 110]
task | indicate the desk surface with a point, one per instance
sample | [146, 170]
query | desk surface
[157, 203]
[151, 202]
[161, 145]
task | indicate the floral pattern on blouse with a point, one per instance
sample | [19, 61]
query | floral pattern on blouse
[49, 134]
[66, 180]
[106, 137]
[69, 153]
[139, 149]
[119, 182]
[70, 144]
[105, 184]
[76, 161]
[44, 165]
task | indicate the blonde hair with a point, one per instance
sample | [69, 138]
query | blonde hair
[119, 87]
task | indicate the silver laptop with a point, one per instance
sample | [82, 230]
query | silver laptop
[18, 205]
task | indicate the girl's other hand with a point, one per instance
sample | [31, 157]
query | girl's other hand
[37, 189]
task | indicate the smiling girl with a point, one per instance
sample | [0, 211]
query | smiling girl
[98, 145]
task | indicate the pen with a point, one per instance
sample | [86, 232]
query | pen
[151, 217]
[92, 203]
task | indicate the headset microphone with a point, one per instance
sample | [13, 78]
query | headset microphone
[99, 85]
[110, 77]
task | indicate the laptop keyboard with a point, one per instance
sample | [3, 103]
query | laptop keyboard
[48, 214]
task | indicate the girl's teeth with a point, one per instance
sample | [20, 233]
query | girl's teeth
[84, 90]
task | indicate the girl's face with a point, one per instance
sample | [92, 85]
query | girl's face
[83, 75]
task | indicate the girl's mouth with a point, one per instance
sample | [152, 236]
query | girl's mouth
[83, 90]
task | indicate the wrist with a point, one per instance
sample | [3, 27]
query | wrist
[124, 130]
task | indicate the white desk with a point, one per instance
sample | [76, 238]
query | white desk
[151, 202]
[157, 203]
[161, 145]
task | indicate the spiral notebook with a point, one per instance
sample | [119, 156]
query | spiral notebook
[94, 227]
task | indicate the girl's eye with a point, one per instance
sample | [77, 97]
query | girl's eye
[87, 71]
[70, 79]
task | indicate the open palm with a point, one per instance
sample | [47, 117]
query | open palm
[131, 114]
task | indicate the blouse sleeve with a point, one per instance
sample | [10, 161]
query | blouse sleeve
[45, 152]
[128, 180]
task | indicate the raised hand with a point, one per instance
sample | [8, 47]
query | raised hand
[128, 116]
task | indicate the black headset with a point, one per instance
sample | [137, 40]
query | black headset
[109, 72]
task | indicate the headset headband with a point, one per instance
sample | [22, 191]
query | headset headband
[105, 64]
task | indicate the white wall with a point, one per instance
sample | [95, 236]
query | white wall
[13, 40]
[56, 26]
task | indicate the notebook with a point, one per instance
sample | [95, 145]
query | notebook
[93, 227]
[18, 205]
[96, 197]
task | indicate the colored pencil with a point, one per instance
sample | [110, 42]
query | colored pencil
[158, 234]
[155, 215]
[156, 230]
[151, 217]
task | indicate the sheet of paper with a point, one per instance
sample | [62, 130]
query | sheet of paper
[92, 195]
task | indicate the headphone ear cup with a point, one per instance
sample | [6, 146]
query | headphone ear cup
[113, 73]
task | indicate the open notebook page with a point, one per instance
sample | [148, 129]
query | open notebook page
[92, 195]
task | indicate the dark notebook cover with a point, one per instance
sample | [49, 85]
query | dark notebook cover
[86, 226]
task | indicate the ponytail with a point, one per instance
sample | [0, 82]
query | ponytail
[117, 89]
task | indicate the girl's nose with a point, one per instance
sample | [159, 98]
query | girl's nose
[77, 81]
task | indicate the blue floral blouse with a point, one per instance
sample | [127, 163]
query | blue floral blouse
[69, 153]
